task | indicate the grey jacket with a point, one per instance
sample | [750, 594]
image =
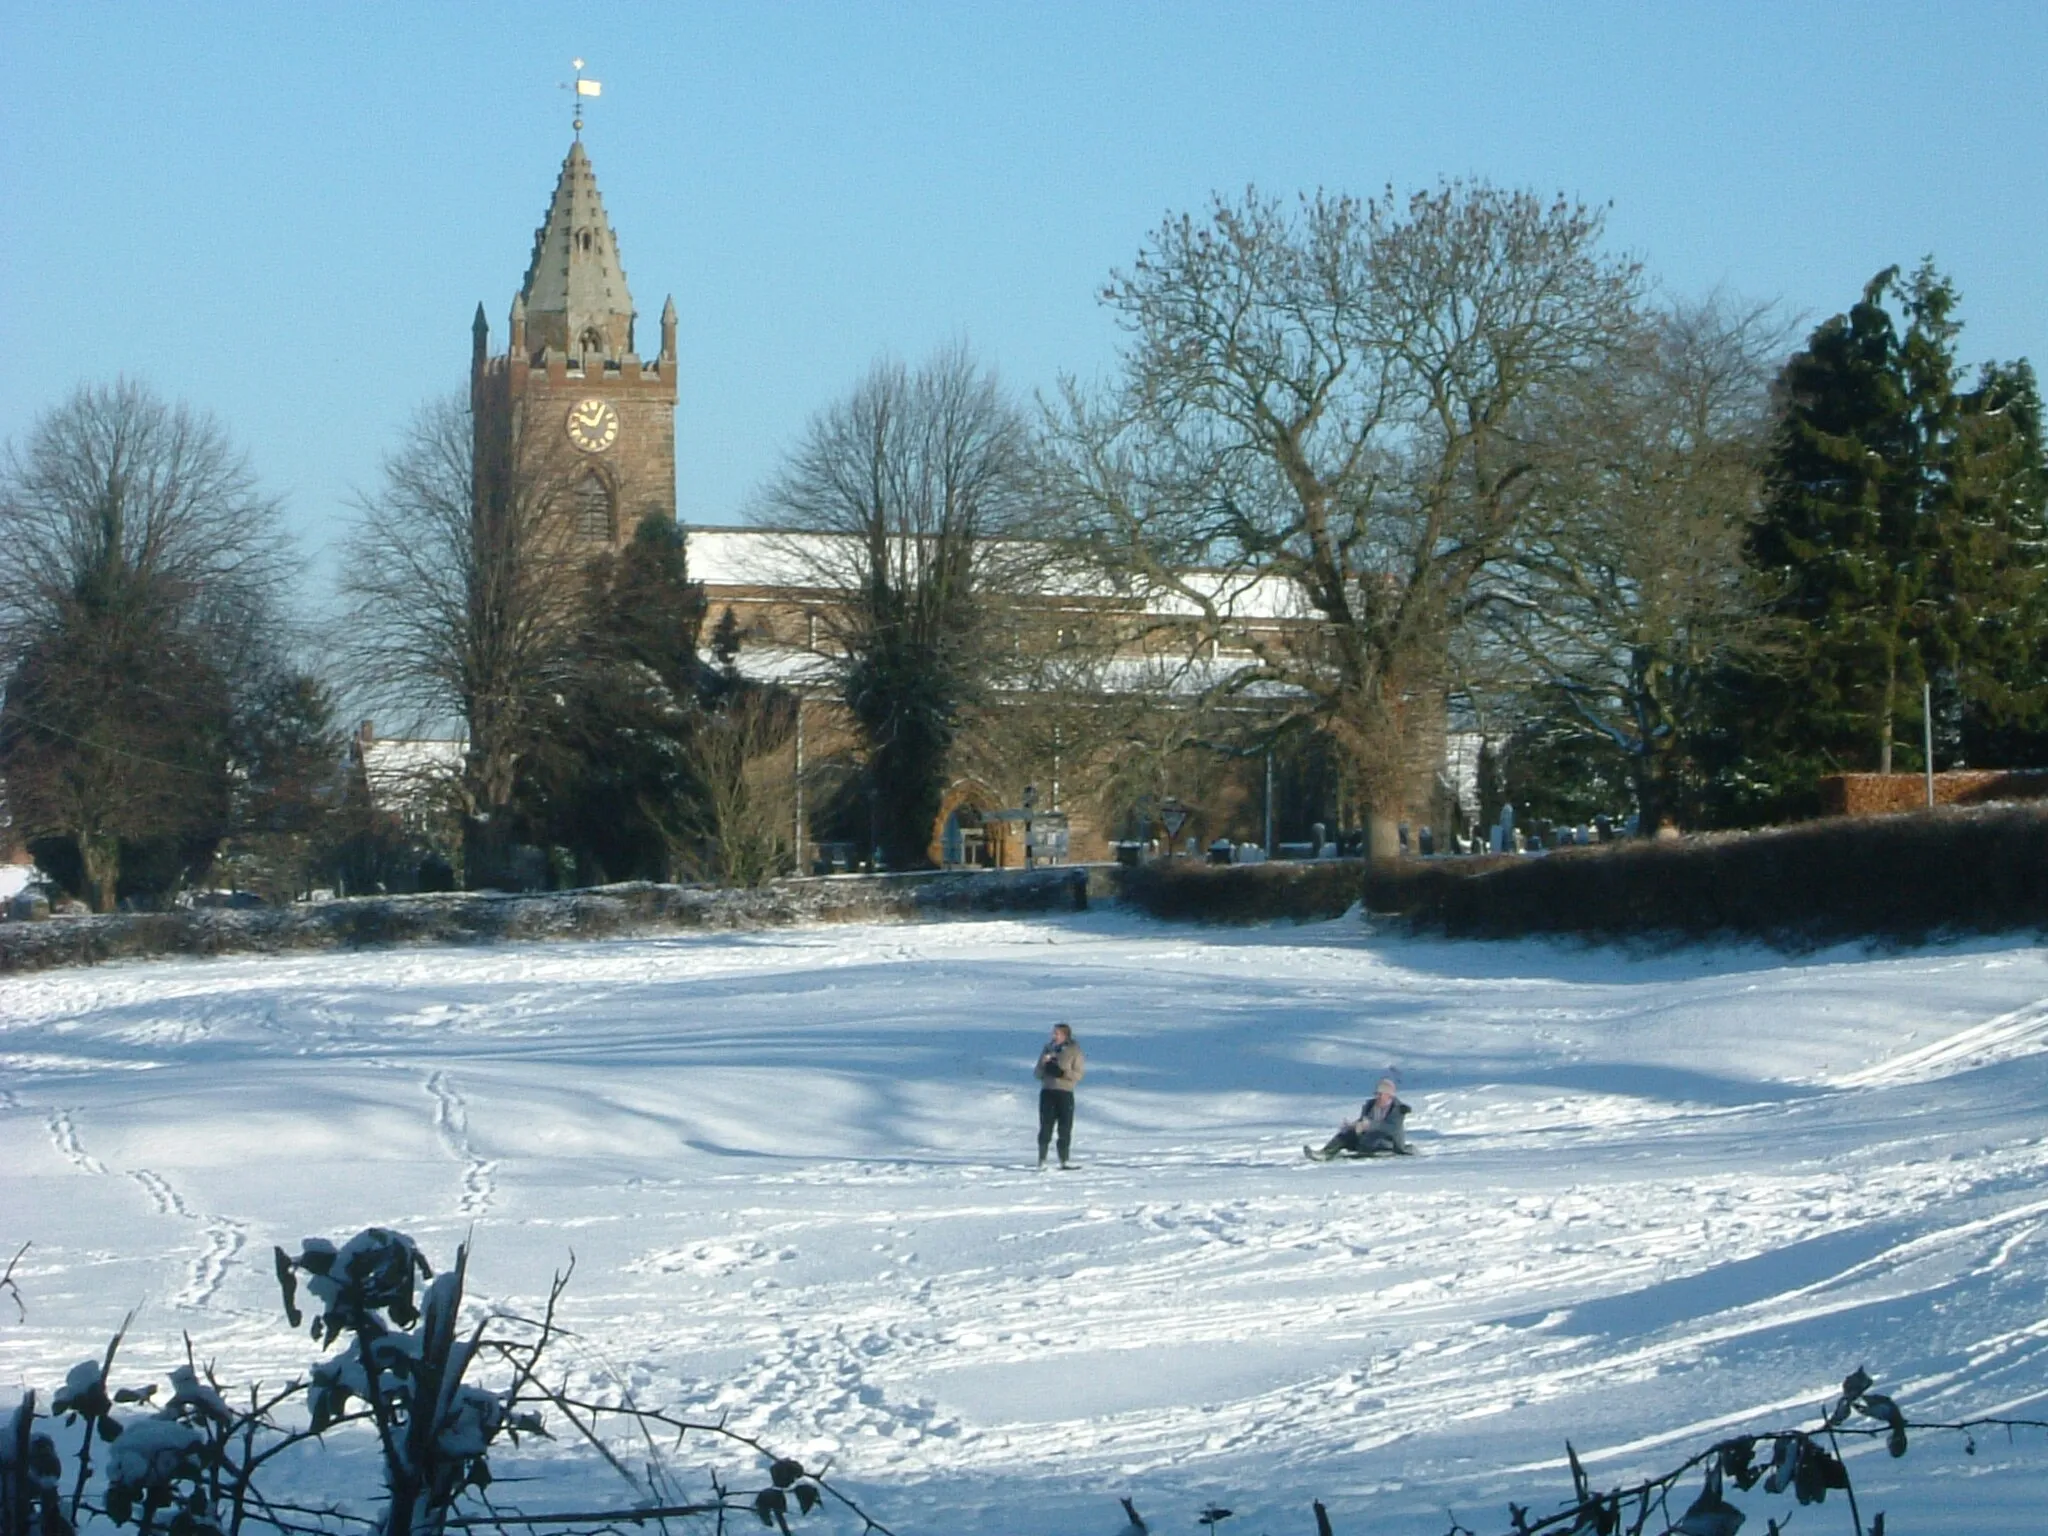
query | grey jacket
[1060, 1066]
[1369, 1120]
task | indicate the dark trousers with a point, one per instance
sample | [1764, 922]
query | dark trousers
[1363, 1143]
[1055, 1112]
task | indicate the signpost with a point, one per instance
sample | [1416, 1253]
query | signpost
[1173, 815]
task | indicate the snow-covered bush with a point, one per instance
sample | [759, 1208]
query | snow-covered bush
[405, 1364]
[190, 1464]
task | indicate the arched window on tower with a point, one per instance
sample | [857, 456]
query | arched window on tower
[592, 509]
[591, 342]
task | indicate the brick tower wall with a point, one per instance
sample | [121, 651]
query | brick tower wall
[639, 468]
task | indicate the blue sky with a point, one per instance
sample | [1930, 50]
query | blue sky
[287, 214]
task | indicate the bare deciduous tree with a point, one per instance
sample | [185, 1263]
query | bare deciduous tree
[1331, 399]
[733, 830]
[1628, 588]
[141, 571]
[462, 602]
[1103, 719]
[897, 499]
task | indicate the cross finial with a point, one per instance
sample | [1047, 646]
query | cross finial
[583, 88]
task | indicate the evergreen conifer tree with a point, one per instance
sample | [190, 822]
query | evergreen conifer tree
[1901, 536]
[610, 768]
[1998, 692]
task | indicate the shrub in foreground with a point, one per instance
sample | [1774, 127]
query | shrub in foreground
[440, 1395]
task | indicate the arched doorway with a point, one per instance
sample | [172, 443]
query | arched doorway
[962, 834]
[963, 844]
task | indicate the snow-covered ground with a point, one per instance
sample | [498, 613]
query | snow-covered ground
[1657, 1199]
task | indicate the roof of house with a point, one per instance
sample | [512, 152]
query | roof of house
[398, 769]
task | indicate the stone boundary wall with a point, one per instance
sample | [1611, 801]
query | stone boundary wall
[1879, 794]
[475, 917]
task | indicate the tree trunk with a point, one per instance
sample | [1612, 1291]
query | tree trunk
[1382, 835]
[101, 857]
[1656, 795]
[1374, 736]
[486, 861]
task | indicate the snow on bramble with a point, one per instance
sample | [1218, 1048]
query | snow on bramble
[1657, 1198]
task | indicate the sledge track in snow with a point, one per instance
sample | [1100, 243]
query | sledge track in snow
[2022, 1032]
[1413, 1383]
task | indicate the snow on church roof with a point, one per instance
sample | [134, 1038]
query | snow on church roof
[792, 559]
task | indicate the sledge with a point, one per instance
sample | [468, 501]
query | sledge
[1318, 1155]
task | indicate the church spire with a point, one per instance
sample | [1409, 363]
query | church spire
[575, 293]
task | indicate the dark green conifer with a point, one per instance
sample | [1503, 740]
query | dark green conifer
[1901, 534]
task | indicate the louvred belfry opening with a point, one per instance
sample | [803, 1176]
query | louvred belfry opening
[593, 510]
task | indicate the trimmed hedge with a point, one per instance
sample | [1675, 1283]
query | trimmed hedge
[1905, 877]
[471, 918]
[1188, 891]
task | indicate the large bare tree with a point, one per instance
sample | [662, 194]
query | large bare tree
[896, 502]
[141, 577]
[732, 829]
[1628, 589]
[462, 593]
[1323, 404]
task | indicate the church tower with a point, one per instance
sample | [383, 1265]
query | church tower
[570, 397]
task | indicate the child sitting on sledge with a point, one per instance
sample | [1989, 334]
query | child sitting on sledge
[1378, 1128]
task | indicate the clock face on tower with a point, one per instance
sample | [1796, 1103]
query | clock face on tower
[593, 425]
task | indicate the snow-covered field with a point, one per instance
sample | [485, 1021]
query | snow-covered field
[1657, 1199]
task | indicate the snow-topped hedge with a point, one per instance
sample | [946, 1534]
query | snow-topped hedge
[1903, 877]
[475, 917]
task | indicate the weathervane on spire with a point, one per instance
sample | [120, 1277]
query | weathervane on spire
[583, 88]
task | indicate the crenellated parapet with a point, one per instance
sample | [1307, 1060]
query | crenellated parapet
[629, 370]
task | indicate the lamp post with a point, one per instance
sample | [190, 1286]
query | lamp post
[1927, 737]
[797, 831]
[1269, 803]
[1030, 805]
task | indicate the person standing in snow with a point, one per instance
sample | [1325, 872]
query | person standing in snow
[1380, 1127]
[1059, 1069]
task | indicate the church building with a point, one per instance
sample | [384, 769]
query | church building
[574, 424]
[571, 400]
